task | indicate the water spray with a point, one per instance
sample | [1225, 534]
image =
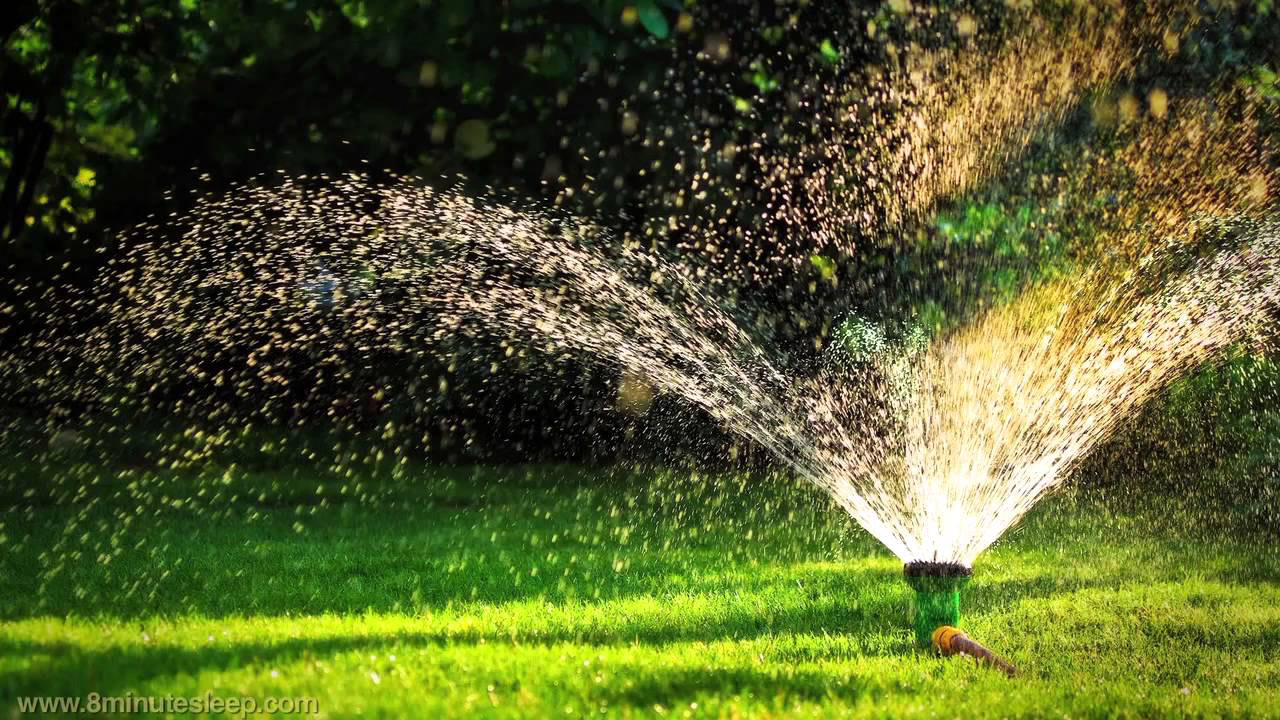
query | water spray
[937, 611]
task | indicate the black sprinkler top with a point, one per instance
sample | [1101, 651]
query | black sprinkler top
[924, 568]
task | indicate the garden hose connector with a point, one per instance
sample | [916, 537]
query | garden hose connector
[950, 641]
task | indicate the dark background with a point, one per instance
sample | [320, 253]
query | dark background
[118, 109]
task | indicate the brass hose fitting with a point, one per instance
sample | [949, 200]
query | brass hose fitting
[950, 641]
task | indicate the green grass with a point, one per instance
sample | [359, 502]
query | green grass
[412, 591]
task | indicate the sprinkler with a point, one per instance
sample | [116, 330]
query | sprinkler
[937, 611]
[937, 587]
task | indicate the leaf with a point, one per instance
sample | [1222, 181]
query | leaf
[763, 82]
[826, 266]
[357, 13]
[456, 13]
[931, 316]
[472, 140]
[652, 19]
[555, 62]
[829, 52]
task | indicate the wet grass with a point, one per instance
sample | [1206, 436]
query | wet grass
[408, 590]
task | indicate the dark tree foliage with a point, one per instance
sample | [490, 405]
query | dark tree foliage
[109, 104]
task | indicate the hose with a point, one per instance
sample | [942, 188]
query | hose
[950, 641]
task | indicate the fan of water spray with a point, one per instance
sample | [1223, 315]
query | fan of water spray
[936, 455]
[1007, 407]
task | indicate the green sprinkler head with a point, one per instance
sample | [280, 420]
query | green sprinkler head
[937, 612]
[937, 587]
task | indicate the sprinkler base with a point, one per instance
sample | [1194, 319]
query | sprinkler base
[937, 601]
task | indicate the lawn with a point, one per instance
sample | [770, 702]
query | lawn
[419, 591]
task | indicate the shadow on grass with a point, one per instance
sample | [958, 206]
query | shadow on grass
[367, 559]
[386, 560]
[676, 685]
[400, 563]
[65, 668]
[855, 613]
[1227, 568]
[59, 666]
